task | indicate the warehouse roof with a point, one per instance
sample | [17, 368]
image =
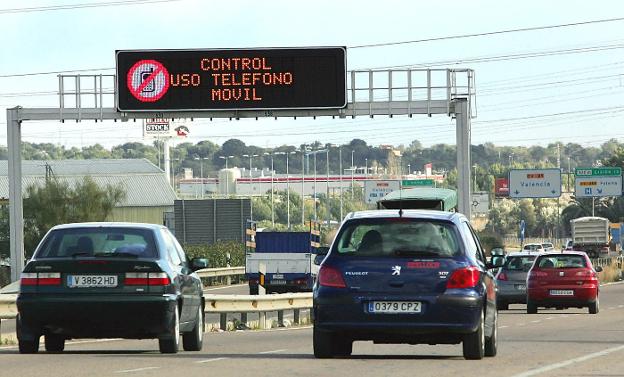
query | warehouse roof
[145, 184]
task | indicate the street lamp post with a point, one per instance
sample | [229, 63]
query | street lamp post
[409, 169]
[251, 156]
[327, 186]
[227, 188]
[352, 175]
[272, 189]
[366, 168]
[302, 185]
[340, 158]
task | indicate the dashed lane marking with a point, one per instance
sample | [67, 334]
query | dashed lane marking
[136, 370]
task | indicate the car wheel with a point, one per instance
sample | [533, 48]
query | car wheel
[322, 343]
[474, 343]
[171, 342]
[24, 345]
[531, 307]
[253, 289]
[194, 340]
[491, 343]
[594, 307]
[502, 306]
[54, 343]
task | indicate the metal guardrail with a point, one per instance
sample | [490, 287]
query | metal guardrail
[220, 272]
[261, 304]
[8, 310]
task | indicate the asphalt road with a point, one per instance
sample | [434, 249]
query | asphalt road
[551, 343]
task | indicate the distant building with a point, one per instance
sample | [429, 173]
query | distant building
[148, 194]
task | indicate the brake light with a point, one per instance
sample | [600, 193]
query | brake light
[586, 273]
[40, 278]
[144, 278]
[331, 277]
[28, 278]
[159, 278]
[136, 278]
[502, 276]
[49, 278]
[537, 274]
[467, 277]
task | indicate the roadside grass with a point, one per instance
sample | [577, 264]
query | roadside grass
[610, 274]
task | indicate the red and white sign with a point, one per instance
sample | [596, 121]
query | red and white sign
[148, 80]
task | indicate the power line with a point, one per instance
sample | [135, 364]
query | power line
[81, 6]
[506, 31]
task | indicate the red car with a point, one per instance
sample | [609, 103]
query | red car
[563, 280]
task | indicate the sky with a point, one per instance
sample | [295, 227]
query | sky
[572, 91]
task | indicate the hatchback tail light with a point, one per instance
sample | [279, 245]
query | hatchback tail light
[467, 277]
[40, 278]
[502, 276]
[144, 278]
[331, 277]
[537, 274]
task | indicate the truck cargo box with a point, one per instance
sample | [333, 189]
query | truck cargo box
[282, 242]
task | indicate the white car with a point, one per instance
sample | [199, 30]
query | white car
[533, 247]
[548, 246]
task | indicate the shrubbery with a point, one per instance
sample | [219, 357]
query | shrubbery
[216, 253]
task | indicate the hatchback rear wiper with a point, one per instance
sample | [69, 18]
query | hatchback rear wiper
[413, 253]
[80, 254]
[117, 254]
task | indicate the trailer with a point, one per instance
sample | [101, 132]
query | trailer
[286, 256]
[591, 235]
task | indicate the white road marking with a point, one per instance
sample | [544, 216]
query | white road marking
[520, 324]
[211, 360]
[72, 342]
[611, 307]
[566, 363]
[503, 327]
[136, 370]
[550, 318]
[274, 351]
[620, 306]
[538, 321]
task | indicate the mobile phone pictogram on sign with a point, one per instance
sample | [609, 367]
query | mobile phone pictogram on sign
[148, 80]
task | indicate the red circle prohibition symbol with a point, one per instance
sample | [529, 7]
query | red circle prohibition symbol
[148, 80]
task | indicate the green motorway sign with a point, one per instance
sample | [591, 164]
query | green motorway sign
[598, 172]
[417, 182]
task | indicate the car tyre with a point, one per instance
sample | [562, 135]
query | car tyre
[491, 343]
[171, 342]
[531, 307]
[194, 339]
[342, 346]
[474, 343]
[322, 343]
[26, 346]
[502, 306]
[54, 343]
[594, 307]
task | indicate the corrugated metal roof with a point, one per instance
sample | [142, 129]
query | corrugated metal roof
[84, 167]
[145, 184]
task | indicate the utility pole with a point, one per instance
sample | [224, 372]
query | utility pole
[327, 186]
[340, 158]
[302, 185]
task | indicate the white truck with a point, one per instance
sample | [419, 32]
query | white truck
[591, 235]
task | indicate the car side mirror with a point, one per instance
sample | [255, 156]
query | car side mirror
[497, 262]
[598, 269]
[322, 250]
[199, 263]
[318, 259]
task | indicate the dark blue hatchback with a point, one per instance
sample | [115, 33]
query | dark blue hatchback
[416, 277]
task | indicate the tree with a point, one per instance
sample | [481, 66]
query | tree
[56, 202]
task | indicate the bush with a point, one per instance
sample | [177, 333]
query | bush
[216, 253]
[610, 273]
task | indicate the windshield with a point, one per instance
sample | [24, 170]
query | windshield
[98, 242]
[562, 261]
[397, 237]
[519, 263]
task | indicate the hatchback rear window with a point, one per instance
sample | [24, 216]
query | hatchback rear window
[561, 261]
[397, 237]
[108, 242]
[519, 263]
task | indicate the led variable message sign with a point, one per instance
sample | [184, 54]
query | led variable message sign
[236, 79]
